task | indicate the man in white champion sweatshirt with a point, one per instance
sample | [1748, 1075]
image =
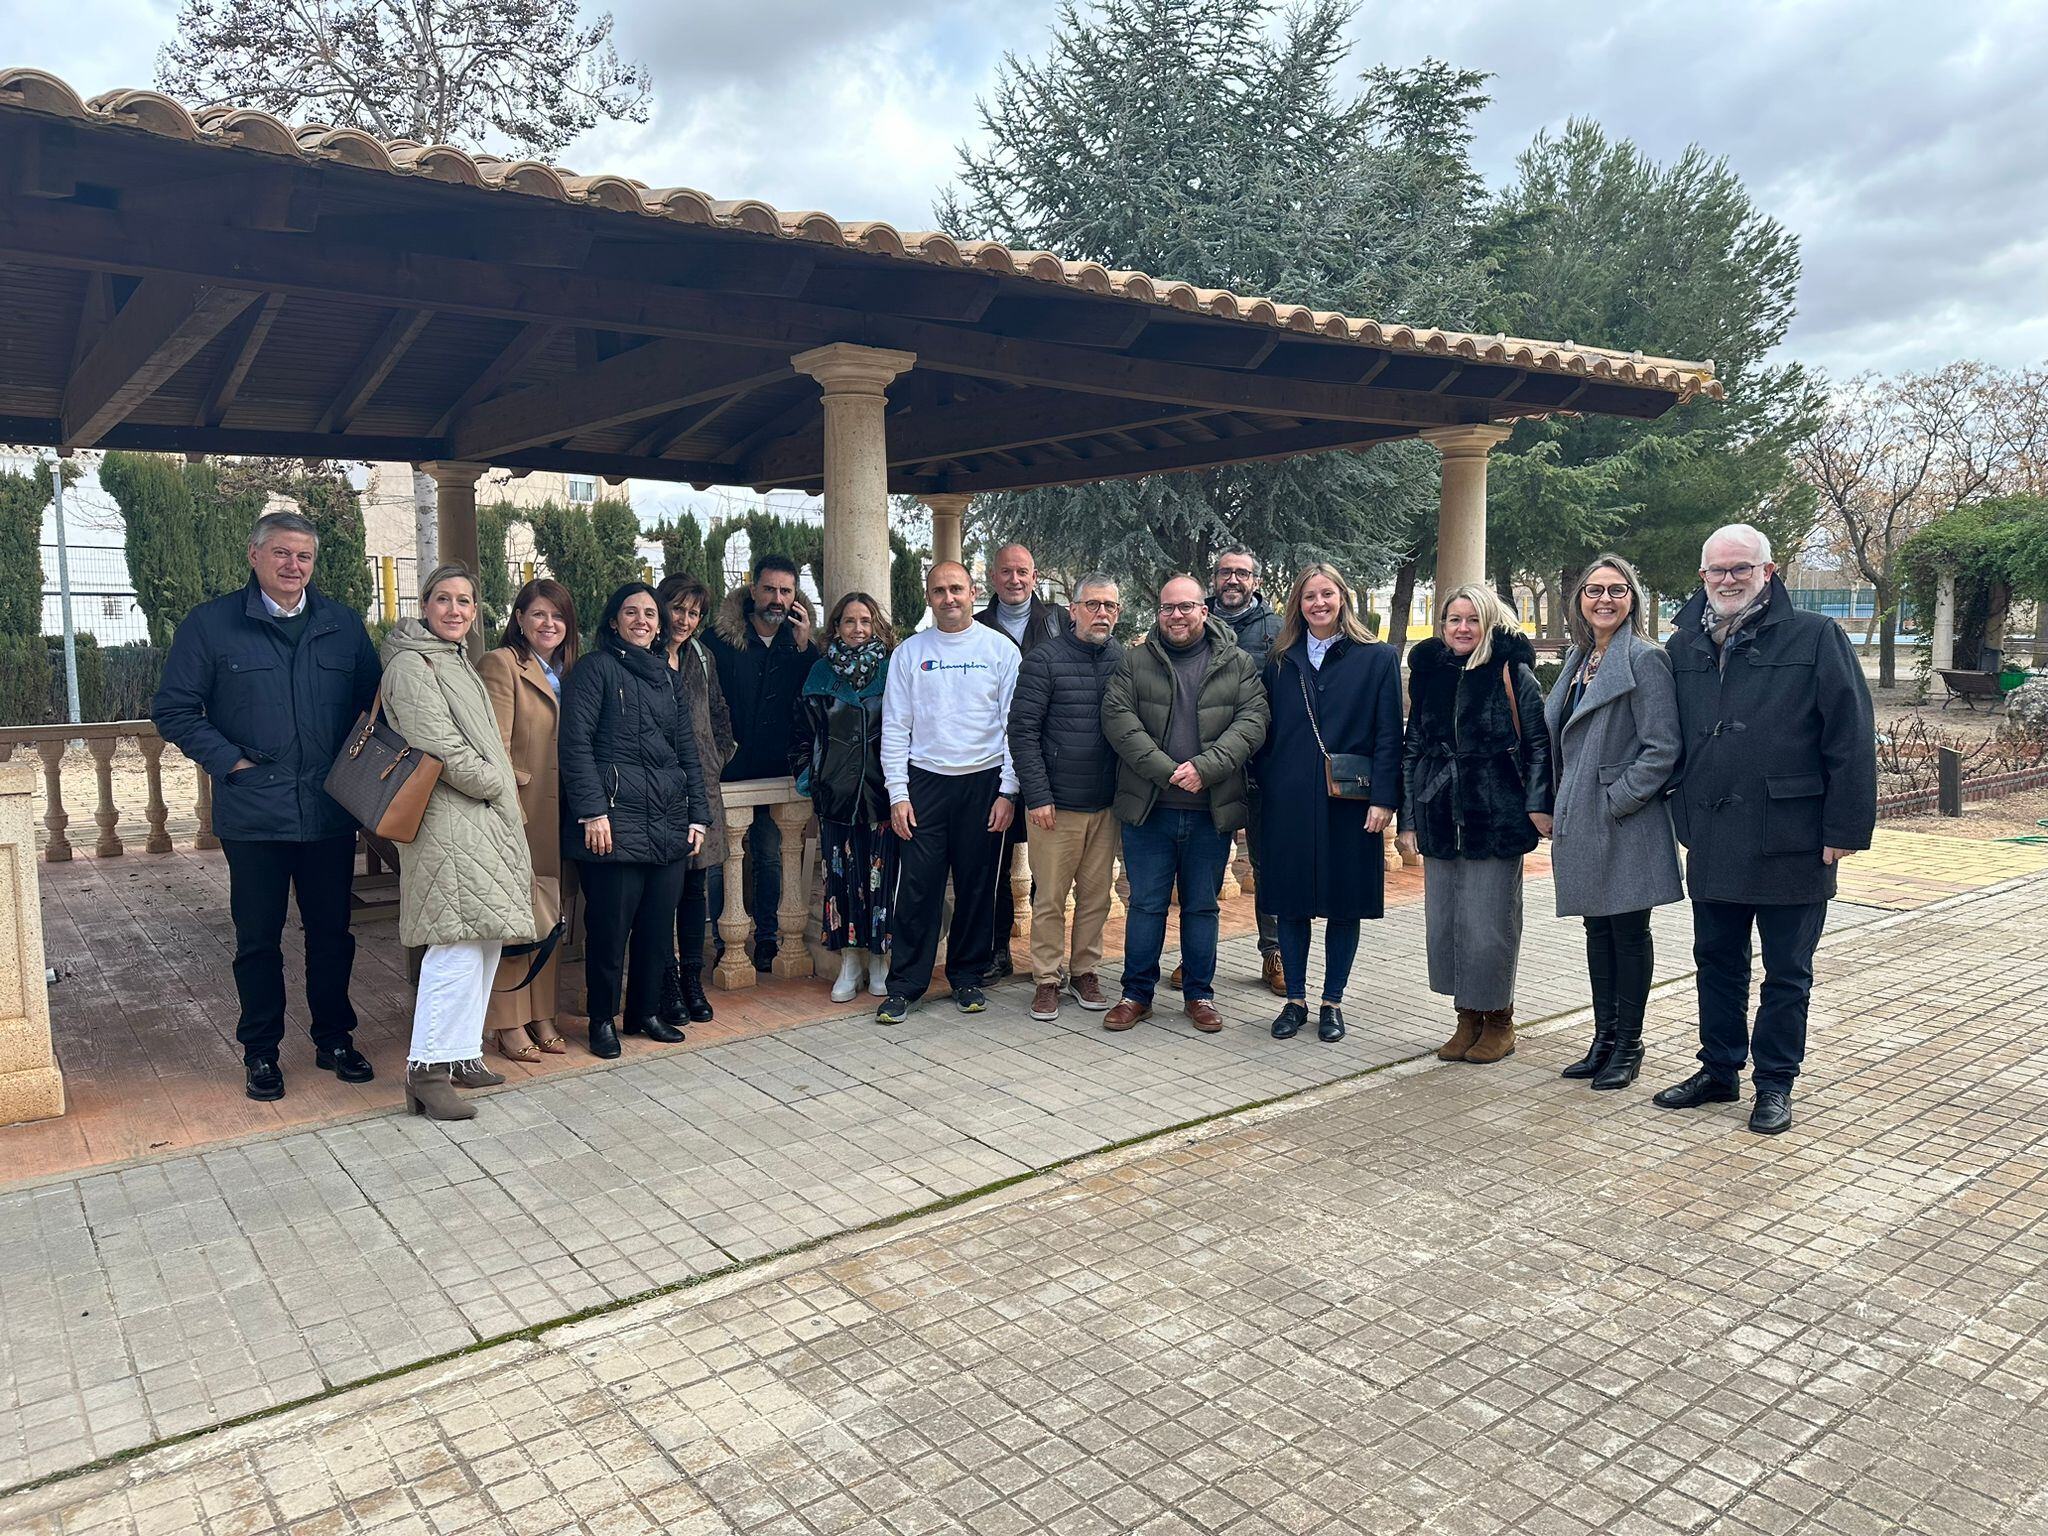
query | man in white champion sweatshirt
[952, 791]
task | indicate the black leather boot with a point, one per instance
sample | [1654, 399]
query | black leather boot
[656, 1030]
[604, 1039]
[695, 1004]
[1600, 971]
[670, 1009]
[1625, 1060]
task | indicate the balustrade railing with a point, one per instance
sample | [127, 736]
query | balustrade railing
[54, 744]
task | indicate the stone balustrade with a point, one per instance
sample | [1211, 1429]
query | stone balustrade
[53, 744]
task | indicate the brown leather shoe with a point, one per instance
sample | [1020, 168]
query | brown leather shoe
[1204, 1013]
[1465, 1037]
[1088, 992]
[1180, 975]
[1126, 1013]
[1271, 974]
[1045, 1001]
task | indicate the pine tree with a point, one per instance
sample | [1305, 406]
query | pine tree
[160, 537]
[23, 499]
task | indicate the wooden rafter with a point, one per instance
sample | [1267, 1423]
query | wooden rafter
[245, 342]
[528, 340]
[160, 329]
[400, 332]
[1320, 437]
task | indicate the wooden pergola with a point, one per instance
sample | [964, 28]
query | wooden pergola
[229, 284]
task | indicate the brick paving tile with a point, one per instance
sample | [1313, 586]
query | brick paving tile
[1446, 1301]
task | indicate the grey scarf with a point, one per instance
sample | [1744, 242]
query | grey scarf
[1721, 630]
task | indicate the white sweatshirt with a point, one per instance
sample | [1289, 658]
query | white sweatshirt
[946, 706]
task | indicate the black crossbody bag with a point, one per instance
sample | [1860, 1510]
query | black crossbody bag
[1346, 775]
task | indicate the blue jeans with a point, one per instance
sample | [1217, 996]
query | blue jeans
[1340, 948]
[1173, 845]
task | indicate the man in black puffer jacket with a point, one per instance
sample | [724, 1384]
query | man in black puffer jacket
[1238, 602]
[1066, 773]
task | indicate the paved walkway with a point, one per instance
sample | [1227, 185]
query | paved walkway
[181, 1293]
[1444, 1300]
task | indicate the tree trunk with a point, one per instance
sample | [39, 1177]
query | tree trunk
[1555, 585]
[1887, 635]
[1998, 610]
[426, 525]
[2041, 630]
[1399, 604]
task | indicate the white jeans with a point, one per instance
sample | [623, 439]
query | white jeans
[448, 1011]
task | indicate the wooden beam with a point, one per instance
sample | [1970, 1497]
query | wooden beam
[750, 264]
[694, 418]
[245, 342]
[647, 381]
[94, 314]
[960, 297]
[400, 332]
[807, 411]
[72, 235]
[1017, 420]
[1236, 345]
[1074, 322]
[528, 340]
[1322, 437]
[159, 330]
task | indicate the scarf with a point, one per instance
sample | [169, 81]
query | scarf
[1721, 630]
[855, 665]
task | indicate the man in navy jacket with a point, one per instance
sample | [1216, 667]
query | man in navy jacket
[1777, 786]
[259, 690]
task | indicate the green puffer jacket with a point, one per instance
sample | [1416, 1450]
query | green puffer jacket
[1233, 715]
[468, 874]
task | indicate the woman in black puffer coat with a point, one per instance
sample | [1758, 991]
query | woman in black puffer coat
[1475, 798]
[633, 811]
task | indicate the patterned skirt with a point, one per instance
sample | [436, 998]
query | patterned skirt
[860, 885]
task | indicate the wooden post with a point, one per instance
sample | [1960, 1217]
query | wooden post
[1948, 769]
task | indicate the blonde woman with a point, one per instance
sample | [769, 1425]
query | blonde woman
[1334, 691]
[1476, 797]
[465, 883]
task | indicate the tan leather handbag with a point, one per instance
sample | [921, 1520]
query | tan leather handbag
[381, 779]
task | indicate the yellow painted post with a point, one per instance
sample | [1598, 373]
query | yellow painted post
[525, 571]
[388, 572]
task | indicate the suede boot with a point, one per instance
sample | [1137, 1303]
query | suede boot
[1496, 1037]
[1463, 1039]
[430, 1092]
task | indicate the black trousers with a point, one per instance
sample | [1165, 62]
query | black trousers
[692, 916]
[951, 837]
[262, 876]
[629, 928]
[1620, 960]
[1006, 901]
[1720, 948]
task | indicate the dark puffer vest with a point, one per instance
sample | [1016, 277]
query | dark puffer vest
[1062, 757]
[1468, 780]
[629, 751]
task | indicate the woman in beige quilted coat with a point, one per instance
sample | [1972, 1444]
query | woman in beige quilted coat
[465, 884]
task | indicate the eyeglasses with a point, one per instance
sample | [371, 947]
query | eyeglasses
[1227, 574]
[1618, 591]
[1728, 572]
[1099, 604]
[1178, 610]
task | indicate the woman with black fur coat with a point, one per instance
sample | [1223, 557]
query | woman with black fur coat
[1476, 797]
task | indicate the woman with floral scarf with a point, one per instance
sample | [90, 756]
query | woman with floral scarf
[836, 752]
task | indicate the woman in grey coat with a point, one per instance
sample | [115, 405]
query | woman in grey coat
[1613, 719]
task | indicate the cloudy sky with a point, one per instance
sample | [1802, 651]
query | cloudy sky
[1904, 140]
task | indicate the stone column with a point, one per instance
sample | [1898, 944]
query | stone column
[948, 512]
[455, 510]
[1944, 636]
[31, 1086]
[855, 380]
[735, 970]
[792, 955]
[1461, 515]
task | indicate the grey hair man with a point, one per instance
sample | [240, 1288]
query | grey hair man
[1066, 773]
[1235, 598]
[259, 690]
[1777, 784]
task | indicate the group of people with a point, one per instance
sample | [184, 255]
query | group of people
[590, 769]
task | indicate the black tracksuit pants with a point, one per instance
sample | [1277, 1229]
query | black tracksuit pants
[951, 837]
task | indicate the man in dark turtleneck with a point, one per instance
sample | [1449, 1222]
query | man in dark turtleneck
[1029, 620]
[1184, 712]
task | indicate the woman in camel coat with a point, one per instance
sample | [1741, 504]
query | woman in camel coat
[524, 679]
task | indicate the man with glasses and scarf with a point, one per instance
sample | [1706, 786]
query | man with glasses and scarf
[1777, 785]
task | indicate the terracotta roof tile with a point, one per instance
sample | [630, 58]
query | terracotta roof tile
[150, 112]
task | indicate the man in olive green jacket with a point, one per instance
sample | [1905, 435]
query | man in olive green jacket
[1184, 713]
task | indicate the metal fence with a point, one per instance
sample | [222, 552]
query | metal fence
[102, 597]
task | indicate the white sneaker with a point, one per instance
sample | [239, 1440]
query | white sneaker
[847, 987]
[878, 975]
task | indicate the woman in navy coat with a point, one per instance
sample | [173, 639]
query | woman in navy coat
[1333, 689]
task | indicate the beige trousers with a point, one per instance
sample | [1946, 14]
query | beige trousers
[1078, 854]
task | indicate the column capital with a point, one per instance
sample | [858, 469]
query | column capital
[847, 368]
[1472, 441]
[947, 503]
[453, 474]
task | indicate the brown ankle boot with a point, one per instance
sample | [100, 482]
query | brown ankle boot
[430, 1092]
[1467, 1036]
[1496, 1036]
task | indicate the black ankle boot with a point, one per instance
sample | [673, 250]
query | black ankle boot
[695, 1004]
[670, 1009]
[656, 1030]
[1626, 1059]
[604, 1039]
[1598, 1054]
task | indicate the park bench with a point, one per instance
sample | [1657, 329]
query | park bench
[1970, 687]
